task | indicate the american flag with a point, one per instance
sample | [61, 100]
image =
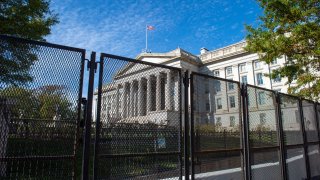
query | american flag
[150, 28]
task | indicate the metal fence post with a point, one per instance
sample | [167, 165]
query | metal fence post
[245, 132]
[181, 130]
[98, 126]
[192, 126]
[88, 120]
[305, 144]
[281, 138]
[186, 125]
[317, 121]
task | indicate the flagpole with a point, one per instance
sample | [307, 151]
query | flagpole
[146, 39]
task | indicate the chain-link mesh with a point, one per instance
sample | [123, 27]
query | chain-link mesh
[291, 120]
[265, 165]
[262, 118]
[140, 110]
[40, 86]
[217, 128]
[309, 118]
[314, 159]
[263, 128]
[140, 121]
[318, 116]
[296, 164]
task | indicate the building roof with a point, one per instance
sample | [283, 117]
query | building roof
[177, 53]
[224, 52]
[207, 57]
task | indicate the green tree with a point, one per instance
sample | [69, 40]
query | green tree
[290, 29]
[31, 19]
[25, 104]
[53, 102]
[45, 102]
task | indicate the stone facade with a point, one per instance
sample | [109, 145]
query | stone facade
[150, 95]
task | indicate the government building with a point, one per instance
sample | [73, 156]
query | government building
[142, 94]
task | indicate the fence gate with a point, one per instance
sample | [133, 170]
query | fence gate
[137, 123]
[216, 121]
[40, 91]
[248, 132]
[138, 127]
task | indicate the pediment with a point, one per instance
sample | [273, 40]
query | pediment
[131, 68]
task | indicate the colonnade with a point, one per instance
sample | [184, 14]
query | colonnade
[142, 95]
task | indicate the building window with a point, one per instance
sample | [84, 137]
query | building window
[244, 79]
[219, 103]
[218, 121]
[242, 67]
[259, 78]
[206, 86]
[262, 98]
[217, 85]
[232, 102]
[262, 118]
[205, 120]
[257, 64]
[229, 70]
[104, 102]
[277, 79]
[297, 114]
[173, 92]
[274, 62]
[232, 121]
[207, 106]
[216, 73]
[230, 85]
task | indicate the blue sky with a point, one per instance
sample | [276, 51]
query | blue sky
[118, 26]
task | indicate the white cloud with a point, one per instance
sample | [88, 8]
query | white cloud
[249, 12]
[235, 26]
[104, 30]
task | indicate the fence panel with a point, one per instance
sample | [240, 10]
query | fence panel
[310, 124]
[263, 134]
[318, 116]
[138, 120]
[291, 120]
[314, 159]
[217, 121]
[141, 111]
[40, 91]
[312, 139]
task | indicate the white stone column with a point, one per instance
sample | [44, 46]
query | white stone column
[135, 97]
[130, 110]
[140, 97]
[168, 96]
[117, 100]
[178, 92]
[158, 93]
[124, 100]
[149, 83]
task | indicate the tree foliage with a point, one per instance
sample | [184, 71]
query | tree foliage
[290, 29]
[46, 102]
[31, 19]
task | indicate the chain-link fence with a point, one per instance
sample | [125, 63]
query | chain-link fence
[40, 89]
[247, 132]
[216, 121]
[138, 120]
[144, 120]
